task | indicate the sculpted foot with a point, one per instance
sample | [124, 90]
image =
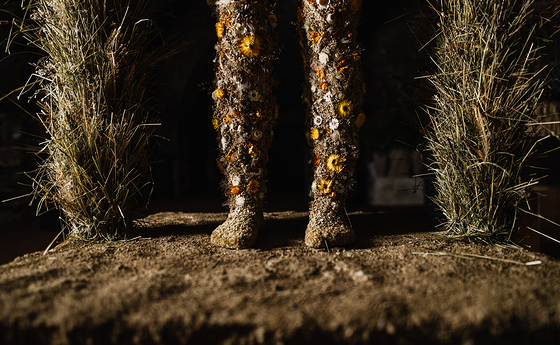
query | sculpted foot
[240, 230]
[328, 225]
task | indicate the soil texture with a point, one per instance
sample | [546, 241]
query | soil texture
[400, 283]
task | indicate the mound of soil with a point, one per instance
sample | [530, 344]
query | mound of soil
[400, 283]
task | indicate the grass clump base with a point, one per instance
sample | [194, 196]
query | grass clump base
[483, 122]
[97, 112]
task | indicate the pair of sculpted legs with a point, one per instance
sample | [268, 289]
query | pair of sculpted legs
[245, 112]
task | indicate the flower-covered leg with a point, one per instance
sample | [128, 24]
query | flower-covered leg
[333, 97]
[244, 113]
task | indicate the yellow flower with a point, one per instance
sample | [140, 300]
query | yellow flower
[229, 155]
[220, 28]
[345, 108]
[325, 186]
[258, 114]
[250, 46]
[253, 186]
[314, 133]
[320, 73]
[220, 93]
[335, 163]
[252, 149]
[360, 120]
[215, 124]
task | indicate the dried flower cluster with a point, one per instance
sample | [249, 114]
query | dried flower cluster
[245, 109]
[333, 99]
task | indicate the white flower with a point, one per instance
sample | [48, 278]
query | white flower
[242, 87]
[335, 135]
[318, 120]
[314, 186]
[257, 135]
[333, 124]
[235, 180]
[324, 58]
[240, 201]
[224, 2]
[323, 3]
[224, 143]
[254, 96]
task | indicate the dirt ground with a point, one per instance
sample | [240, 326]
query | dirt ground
[401, 283]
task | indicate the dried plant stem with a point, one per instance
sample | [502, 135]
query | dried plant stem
[486, 95]
[95, 109]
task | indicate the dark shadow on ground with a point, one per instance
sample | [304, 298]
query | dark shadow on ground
[283, 229]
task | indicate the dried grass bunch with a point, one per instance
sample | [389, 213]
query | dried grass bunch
[482, 123]
[96, 109]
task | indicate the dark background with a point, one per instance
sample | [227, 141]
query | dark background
[391, 33]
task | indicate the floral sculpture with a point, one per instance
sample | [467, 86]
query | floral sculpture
[246, 110]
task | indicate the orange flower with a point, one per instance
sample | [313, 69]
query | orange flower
[324, 86]
[320, 73]
[342, 65]
[234, 190]
[316, 160]
[315, 36]
[253, 186]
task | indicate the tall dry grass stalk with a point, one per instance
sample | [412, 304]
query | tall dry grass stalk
[482, 123]
[97, 112]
